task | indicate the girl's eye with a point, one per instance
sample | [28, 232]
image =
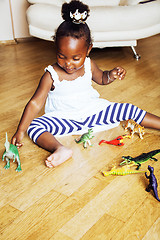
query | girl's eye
[61, 57]
[76, 59]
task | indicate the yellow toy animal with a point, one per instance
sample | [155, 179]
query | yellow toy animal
[134, 128]
[120, 171]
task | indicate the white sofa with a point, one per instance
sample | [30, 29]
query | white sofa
[112, 22]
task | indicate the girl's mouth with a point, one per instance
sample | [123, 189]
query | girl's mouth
[69, 69]
[65, 68]
[72, 69]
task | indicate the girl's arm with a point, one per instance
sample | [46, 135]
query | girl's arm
[32, 108]
[106, 77]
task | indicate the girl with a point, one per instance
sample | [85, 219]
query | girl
[72, 105]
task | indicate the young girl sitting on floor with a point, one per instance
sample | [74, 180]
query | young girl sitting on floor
[72, 105]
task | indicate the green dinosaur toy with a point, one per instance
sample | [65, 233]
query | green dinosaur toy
[85, 138]
[140, 159]
[11, 152]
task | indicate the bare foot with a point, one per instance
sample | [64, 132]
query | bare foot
[59, 156]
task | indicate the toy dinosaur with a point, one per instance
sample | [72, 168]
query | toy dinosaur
[152, 182]
[117, 141]
[11, 152]
[134, 128]
[120, 171]
[140, 159]
[85, 138]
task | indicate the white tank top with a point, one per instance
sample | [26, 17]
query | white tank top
[71, 98]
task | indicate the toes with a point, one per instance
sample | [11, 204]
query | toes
[48, 164]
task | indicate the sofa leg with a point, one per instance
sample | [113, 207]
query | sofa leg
[136, 55]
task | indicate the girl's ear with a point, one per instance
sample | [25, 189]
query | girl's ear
[89, 49]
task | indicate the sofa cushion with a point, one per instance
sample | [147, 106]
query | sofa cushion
[88, 2]
[101, 2]
[52, 2]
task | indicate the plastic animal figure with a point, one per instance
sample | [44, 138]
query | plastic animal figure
[140, 159]
[120, 171]
[11, 152]
[117, 141]
[134, 128]
[152, 182]
[85, 138]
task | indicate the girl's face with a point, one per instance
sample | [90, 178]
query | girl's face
[71, 53]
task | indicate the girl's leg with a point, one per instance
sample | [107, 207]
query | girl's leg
[151, 121]
[42, 131]
[59, 154]
[124, 111]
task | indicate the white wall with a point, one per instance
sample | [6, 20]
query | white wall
[6, 32]
[13, 23]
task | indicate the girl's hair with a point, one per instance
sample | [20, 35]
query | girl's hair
[74, 27]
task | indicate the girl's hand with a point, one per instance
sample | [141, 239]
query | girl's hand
[117, 72]
[17, 138]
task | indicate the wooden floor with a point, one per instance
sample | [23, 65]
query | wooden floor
[75, 201]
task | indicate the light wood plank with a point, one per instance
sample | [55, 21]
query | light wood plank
[154, 231]
[8, 215]
[27, 224]
[96, 208]
[60, 236]
[140, 222]
[102, 229]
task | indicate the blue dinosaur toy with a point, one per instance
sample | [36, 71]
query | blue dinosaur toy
[11, 152]
[152, 182]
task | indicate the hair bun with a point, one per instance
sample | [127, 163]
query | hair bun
[75, 12]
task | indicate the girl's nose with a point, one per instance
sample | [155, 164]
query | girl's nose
[68, 63]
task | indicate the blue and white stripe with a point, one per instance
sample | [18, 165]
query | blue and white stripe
[114, 113]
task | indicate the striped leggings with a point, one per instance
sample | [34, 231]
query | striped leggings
[114, 113]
